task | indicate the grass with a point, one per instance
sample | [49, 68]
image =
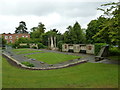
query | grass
[52, 58]
[25, 51]
[88, 75]
[115, 58]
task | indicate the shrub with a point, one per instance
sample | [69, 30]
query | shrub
[40, 45]
[23, 46]
[28, 64]
[98, 46]
[34, 47]
[114, 51]
[60, 45]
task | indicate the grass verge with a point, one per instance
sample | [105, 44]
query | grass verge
[25, 51]
[88, 75]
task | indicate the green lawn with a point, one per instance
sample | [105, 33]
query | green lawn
[88, 75]
[115, 58]
[25, 51]
[52, 58]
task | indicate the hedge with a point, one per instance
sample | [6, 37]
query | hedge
[28, 64]
[114, 51]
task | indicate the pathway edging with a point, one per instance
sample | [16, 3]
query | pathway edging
[38, 68]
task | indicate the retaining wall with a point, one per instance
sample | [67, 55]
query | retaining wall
[18, 64]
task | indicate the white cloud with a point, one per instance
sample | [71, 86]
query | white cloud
[57, 14]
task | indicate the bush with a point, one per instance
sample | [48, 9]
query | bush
[28, 64]
[34, 47]
[114, 51]
[24, 46]
[60, 45]
[98, 46]
[40, 45]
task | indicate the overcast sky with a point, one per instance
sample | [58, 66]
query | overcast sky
[57, 14]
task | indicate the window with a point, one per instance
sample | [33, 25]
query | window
[10, 37]
[6, 37]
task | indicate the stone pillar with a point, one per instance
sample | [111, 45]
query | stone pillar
[52, 42]
[55, 42]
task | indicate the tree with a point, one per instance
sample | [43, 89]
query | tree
[74, 35]
[111, 28]
[93, 27]
[37, 32]
[41, 28]
[2, 41]
[21, 28]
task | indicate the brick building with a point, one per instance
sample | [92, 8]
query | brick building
[11, 38]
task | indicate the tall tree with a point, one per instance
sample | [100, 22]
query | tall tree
[21, 28]
[93, 27]
[36, 32]
[111, 27]
[74, 35]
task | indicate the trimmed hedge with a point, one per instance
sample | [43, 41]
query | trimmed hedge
[98, 46]
[28, 64]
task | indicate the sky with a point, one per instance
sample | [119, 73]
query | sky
[54, 14]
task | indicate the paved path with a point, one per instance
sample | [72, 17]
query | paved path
[90, 58]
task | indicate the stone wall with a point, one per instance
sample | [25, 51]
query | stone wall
[82, 48]
[90, 49]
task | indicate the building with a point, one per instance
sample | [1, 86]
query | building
[11, 38]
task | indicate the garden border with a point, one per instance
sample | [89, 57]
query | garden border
[18, 64]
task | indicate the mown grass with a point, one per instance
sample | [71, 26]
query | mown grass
[88, 75]
[52, 58]
[25, 51]
[115, 58]
[21, 49]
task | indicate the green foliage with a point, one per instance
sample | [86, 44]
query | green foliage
[20, 41]
[93, 28]
[98, 46]
[28, 64]
[36, 34]
[60, 45]
[2, 42]
[23, 46]
[74, 35]
[23, 40]
[114, 51]
[40, 45]
[110, 29]
[21, 28]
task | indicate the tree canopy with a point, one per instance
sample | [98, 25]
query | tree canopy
[21, 28]
[74, 35]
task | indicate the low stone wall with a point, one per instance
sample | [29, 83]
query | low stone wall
[83, 48]
[18, 64]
